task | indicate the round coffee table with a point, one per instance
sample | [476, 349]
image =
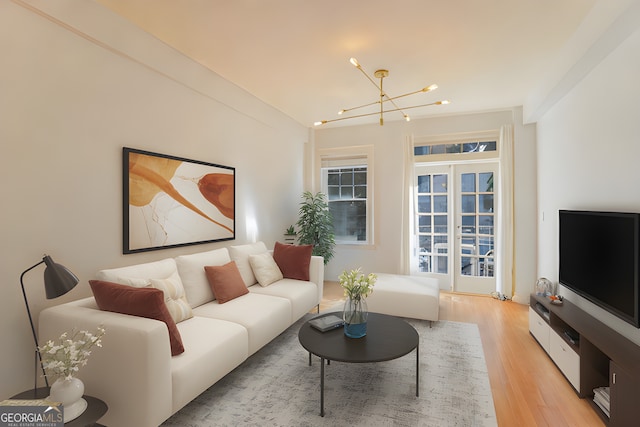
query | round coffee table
[387, 338]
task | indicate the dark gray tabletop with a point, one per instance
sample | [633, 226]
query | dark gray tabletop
[387, 338]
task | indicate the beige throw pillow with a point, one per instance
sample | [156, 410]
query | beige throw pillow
[265, 268]
[240, 254]
[175, 298]
[174, 295]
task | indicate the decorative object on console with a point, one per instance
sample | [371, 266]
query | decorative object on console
[315, 225]
[63, 359]
[356, 287]
[58, 280]
[381, 74]
[172, 201]
[556, 299]
[544, 287]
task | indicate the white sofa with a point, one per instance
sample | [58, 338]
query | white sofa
[134, 372]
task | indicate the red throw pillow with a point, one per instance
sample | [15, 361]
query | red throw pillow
[142, 302]
[293, 260]
[225, 281]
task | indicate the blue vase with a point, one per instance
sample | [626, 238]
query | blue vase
[355, 317]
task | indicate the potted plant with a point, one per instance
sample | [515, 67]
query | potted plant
[357, 287]
[315, 225]
[290, 235]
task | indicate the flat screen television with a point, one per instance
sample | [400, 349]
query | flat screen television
[599, 259]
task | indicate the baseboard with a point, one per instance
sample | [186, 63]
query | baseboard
[520, 299]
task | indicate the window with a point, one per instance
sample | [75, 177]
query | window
[467, 147]
[345, 181]
[347, 194]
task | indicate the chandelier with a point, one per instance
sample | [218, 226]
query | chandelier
[384, 98]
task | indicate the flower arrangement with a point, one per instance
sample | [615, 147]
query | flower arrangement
[356, 285]
[66, 356]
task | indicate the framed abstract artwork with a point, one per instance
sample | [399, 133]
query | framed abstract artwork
[170, 201]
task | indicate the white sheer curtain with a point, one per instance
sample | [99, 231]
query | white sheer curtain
[504, 246]
[408, 165]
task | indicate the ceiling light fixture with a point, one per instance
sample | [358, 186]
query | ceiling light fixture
[381, 74]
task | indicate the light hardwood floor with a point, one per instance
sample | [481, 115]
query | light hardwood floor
[528, 389]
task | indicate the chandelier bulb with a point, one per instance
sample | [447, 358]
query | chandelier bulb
[407, 118]
[320, 123]
[355, 63]
[430, 88]
[341, 111]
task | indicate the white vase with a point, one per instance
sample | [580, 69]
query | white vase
[69, 392]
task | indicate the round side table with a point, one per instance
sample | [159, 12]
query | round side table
[96, 408]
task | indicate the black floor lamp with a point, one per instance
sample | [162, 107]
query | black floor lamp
[58, 280]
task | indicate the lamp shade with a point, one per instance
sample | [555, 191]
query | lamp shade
[58, 280]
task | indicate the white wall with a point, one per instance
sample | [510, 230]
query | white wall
[78, 83]
[588, 151]
[388, 140]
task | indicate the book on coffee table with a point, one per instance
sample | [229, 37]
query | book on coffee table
[326, 323]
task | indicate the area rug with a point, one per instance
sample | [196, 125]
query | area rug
[277, 387]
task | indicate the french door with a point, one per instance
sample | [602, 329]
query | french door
[455, 218]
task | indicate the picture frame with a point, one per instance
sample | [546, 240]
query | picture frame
[171, 201]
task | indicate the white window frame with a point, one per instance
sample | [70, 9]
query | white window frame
[356, 156]
[457, 138]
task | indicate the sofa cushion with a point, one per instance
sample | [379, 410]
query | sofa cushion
[226, 282]
[240, 254]
[264, 316]
[265, 268]
[302, 295]
[194, 279]
[142, 302]
[215, 346]
[293, 260]
[156, 270]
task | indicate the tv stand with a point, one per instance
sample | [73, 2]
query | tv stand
[590, 355]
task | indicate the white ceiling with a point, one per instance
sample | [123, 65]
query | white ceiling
[294, 54]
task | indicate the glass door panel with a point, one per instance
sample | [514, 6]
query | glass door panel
[474, 271]
[432, 204]
[454, 232]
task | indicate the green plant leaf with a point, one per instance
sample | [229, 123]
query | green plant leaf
[315, 225]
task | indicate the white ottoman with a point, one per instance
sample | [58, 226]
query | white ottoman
[405, 296]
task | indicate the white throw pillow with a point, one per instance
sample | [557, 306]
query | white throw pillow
[265, 268]
[240, 254]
